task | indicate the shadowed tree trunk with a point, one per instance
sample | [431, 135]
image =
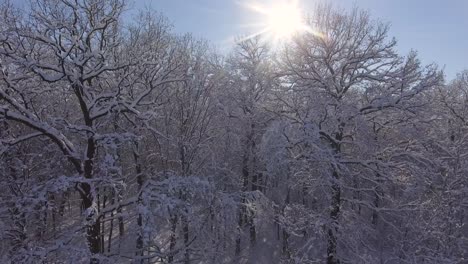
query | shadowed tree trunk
[173, 238]
[332, 257]
[140, 182]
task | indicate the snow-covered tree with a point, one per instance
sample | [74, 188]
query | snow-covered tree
[337, 85]
[121, 141]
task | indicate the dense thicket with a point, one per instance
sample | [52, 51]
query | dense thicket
[127, 143]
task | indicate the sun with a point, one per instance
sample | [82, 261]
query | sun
[278, 20]
[284, 19]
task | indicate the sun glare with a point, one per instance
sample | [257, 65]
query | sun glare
[284, 20]
[279, 20]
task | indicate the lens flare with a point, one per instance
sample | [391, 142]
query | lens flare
[279, 20]
[284, 20]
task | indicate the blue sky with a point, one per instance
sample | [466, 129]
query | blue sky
[438, 30]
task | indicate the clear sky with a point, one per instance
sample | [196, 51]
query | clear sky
[437, 29]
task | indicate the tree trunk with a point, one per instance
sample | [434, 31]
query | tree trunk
[286, 251]
[239, 230]
[332, 257]
[103, 227]
[251, 215]
[333, 227]
[111, 225]
[173, 240]
[93, 228]
[242, 207]
[140, 182]
[186, 239]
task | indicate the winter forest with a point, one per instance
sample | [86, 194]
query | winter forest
[122, 141]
